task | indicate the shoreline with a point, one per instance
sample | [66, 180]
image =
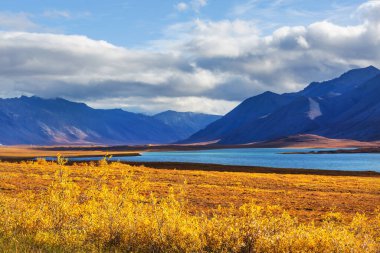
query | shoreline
[249, 169]
[32, 158]
[213, 167]
[18, 154]
[370, 150]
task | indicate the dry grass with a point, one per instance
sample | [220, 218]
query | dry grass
[306, 196]
[30, 152]
[212, 211]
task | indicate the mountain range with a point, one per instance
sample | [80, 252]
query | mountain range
[347, 107]
[34, 120]
[186, 123]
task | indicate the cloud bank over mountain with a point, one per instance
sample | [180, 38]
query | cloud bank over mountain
[217, 62]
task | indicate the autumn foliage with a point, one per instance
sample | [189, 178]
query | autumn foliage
[89, 214]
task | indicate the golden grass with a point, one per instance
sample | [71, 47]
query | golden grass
[100, 207]
[31, 152]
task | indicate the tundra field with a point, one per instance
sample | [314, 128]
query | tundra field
[115, 207]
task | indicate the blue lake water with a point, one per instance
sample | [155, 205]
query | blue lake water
[268, 157]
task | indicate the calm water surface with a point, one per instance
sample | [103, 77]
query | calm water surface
[268, 157]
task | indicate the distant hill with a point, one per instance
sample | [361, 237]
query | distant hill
[312, 141]
[33, 120]
[186, 123]
[346, 107]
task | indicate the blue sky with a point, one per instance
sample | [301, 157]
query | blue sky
[132, 23]
[187, 55]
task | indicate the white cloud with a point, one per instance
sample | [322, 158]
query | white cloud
[194, 5]
[159, 104]
[57, 14]
[16, 21]
[198, 4]
[182, 6]
[212, 39]
[369, 11]
[243, 8]
[199, 66]
[64, 14]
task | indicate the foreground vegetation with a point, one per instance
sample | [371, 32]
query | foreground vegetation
[102, 207]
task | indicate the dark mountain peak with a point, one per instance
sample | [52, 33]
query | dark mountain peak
[342, 84]
[333, 108]
[251, 109]
[29, 98]
[43, 121]
[372, 67]
[32, 100]
[360, 72]
[54, 102]
[269, 93]
[37, 98]
[168, 111]
[173, 113]
[263, 97]
[23, 97]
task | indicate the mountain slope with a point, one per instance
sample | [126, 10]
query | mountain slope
[358, 116]
[341, 85]
[186, 123]
[345, 107]
[248, 111]
[302, 115]
[50, 121]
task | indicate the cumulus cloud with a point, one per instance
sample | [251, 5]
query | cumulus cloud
[369, 11]
[201, 65]
[215, 39]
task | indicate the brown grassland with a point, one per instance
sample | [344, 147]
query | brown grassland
[18, 153]
[115, 207]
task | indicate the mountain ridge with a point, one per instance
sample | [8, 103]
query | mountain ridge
[346, 107]
[186, 123]
[313, 110]
[35, 120]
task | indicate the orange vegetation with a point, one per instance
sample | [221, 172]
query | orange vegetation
[46, 206]
[30, 152]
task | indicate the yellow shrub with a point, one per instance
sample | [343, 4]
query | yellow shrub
[123, 218]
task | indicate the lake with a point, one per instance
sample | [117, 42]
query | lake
[267, 157]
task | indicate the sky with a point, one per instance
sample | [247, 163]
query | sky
[188, 55]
